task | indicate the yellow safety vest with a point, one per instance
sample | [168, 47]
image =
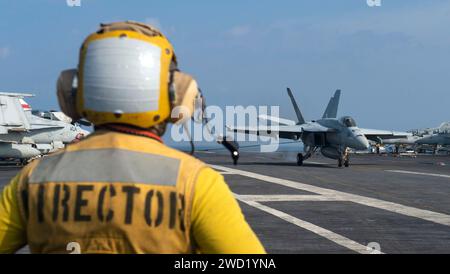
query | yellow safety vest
[110, 193]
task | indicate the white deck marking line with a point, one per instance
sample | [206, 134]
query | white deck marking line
[334, 237]
[427, 215]
[419, 173]
[287, 198]
[226, 173]
[316, 163]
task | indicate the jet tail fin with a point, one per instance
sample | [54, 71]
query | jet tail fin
[333, 104]
[297, 110]
[12, 113]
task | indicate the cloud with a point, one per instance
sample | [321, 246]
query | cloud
[425, 23]
[412, 26]
[4, 52]
[397, 32]
[239, 31]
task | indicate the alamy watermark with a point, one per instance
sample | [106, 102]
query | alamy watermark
[73, 3]
[373, 248]
[373, 3]
[74, 248]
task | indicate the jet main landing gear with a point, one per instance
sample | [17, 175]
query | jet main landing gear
[299, 159]
[308, 152]
[346, 163]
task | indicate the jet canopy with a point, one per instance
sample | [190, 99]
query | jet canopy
[348, 121]
[44, 114]
[444, 128]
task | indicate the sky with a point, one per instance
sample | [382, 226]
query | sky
[391, 62]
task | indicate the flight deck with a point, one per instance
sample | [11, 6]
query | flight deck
[383, 203]
[380, 204]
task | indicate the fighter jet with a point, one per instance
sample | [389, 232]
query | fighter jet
[419, 140]
[331, 135]
[24, 135]
[437, 137]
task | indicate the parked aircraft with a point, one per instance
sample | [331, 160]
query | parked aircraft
[439, 136]
[24, 135]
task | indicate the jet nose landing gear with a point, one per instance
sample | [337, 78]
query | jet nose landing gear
[232, 147]
[235, 156]
[344, 159]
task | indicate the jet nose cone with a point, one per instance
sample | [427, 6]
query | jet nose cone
[362, 142]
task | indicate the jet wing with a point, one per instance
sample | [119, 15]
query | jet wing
[278, 120]
[45, 126]
[376, 134]
[37, 123]
[285, 132]
[315, 128]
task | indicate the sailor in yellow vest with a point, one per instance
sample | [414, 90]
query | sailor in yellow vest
[121, 190]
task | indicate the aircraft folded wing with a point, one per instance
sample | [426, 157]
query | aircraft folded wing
[375, 134]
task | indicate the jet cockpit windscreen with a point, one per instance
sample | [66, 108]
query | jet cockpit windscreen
[44, 114]
[348, 121]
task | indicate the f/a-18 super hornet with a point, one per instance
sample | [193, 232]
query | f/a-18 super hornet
[423, 139]
[435, 137]
[24, 134]
[329, 134]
